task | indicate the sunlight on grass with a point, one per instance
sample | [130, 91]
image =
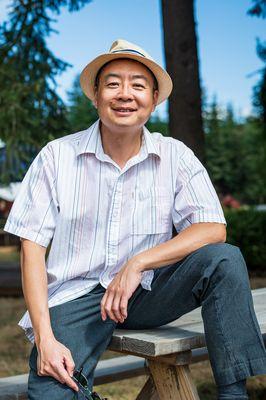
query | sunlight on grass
[9, 253]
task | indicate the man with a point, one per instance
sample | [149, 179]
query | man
[108, 197]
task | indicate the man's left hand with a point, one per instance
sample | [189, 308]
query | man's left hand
[115, 300]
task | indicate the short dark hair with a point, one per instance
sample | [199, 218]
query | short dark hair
[96, 82]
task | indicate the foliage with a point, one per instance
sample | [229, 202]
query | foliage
[245, 229]
[31, 111]
[81, 111]
[235, 155]
[259, 96]
[259, 91]
[258, 8]
[155, 124]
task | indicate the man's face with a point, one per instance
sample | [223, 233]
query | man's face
[125, 96]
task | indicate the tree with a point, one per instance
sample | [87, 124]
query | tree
[233, 152]
[81, 112]
[31, 110]
[215, 147]
[156, 124]
[180, 42]
[259, 97]
[258, 9]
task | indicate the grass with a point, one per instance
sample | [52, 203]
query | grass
[9, 253]
[15, 349]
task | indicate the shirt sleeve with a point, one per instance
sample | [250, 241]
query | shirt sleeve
[195, 197]
[35, 209]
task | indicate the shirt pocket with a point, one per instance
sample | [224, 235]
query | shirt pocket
[153, 211]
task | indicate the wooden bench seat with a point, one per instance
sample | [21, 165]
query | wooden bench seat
[164, 353]
[168, 351]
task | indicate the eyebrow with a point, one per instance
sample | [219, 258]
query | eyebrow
[113, 75]
[140, 77]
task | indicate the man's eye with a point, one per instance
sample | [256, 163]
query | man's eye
[113, 84]
[139, 85]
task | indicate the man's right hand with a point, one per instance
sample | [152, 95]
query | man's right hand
[54, 359]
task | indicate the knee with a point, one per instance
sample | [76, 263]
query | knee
[226, 257]
[220, 251]
[227, 251]
[229, 261]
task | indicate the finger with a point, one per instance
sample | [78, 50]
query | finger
[65, 378]
[69, 364]
[123, 306]
[103, 301]
[38, 364]
[116, 307]
[109, 304]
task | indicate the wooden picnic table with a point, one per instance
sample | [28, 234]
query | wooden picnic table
[168, 352]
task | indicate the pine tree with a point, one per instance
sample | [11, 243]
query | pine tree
[259, 102]
[81, 111]
[31, 112]
[214, 152]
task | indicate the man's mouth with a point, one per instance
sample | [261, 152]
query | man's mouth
[124, 110]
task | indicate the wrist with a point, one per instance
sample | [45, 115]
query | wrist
[139, 263]
[43, 337]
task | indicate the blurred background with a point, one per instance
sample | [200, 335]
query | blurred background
[215, 53]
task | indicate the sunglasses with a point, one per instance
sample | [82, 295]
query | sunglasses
[82, 382]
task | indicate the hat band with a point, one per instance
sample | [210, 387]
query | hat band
[128, 50]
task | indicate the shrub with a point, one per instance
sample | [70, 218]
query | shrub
[246, 229]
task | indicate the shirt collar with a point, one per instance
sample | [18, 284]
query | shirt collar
[91, 142]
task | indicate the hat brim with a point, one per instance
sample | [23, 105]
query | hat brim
[88, 75]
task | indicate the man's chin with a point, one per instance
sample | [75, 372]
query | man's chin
[123, 123]
[126, 121]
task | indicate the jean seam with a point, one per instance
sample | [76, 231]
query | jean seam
[227, 344]
[250, 309]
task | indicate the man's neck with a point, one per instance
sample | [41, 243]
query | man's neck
[120, 146]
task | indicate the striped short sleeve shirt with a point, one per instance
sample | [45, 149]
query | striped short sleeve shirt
[96, 215]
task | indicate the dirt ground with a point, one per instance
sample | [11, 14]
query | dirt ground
[14, 352]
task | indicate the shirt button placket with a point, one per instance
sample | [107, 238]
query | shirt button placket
[113, 234]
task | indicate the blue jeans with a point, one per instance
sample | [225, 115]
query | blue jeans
[214, 277]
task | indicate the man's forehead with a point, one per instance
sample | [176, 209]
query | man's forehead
[134, 68]
[132, 75]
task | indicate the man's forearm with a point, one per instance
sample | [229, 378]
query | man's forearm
[34, 283]
[175, 249]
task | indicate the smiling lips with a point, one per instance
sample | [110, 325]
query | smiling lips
[124, 110]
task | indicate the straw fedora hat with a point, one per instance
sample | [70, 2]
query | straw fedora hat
[123, 49]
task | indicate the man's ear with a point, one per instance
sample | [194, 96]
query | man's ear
[94, 101]
[155, 99]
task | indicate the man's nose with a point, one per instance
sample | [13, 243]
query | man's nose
[125, 92]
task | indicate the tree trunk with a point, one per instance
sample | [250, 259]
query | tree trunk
[185, 119]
